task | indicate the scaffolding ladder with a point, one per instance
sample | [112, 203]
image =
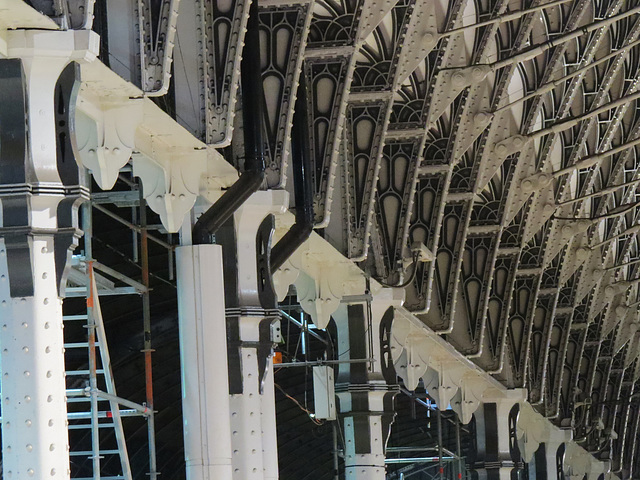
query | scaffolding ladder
[96, 408]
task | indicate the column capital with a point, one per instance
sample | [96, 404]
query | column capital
[68, 45]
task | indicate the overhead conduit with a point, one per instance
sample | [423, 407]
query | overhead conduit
[301, 230]
[252, 116]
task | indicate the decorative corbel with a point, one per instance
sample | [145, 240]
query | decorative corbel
[288, 273]
[105, 132]
[442, 381]
[170, 179]
[410, 352]
[320, 297]
[577, 462]
[322, 285]
[598, 467]
[286, 276]
[532, 430]
[469, 396]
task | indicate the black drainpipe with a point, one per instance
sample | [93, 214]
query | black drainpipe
[302, 184]
[252, 117]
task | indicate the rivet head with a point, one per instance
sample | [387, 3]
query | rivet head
[47, 325]
[30, 472]
[47, 349]
[28, 422]
[52, 447]
[29, 447]
[501, 149]
[458, 79]
[25, 349]
[49, 373]
[50, 422]
[46, 301]
[53, 472]
[50, 399]
[27, 398]
[27, 373]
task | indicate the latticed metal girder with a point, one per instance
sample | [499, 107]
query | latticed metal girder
[480, 156]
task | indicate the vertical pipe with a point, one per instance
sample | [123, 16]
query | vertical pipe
[336, 465]
[459, 449]
[134, 235]
[146, 317]
[91, 332]
[254, 149]
[440, 465]
[302, 184]
[170, 254]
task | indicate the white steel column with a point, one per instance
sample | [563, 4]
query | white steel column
[252, 328]
[246, 407]
[203, 356]
[496, 421]
[269, 427]
[365, 397]
[40, 194]
[34, 413]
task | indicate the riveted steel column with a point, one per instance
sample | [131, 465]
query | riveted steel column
[34, 432]
[40, 193]
[252, 330]
[365, 399]
[497, 447]
[246, 406]
[269, 427]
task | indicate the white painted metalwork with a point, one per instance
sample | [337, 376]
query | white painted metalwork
[506, 153]
[203, 356]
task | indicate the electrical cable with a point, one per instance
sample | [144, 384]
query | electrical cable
[300, 406]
